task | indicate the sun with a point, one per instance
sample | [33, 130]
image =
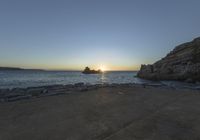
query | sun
[103, 68]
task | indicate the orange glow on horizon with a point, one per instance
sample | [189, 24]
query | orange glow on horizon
[107, 67]
[103, 67]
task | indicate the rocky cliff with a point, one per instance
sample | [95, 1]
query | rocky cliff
[183, 63]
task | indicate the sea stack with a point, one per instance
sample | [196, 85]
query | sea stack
[183, 63]
[87, 70]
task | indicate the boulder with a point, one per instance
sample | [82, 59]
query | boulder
[36, 91]
[79, 84]
[182, 63]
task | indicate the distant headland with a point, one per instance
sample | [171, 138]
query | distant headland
[15, 68]
[10, 68]
[87, 70]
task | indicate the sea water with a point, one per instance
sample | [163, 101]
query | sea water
[32, 78]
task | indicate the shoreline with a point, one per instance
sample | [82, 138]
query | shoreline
[15, 94]
[102, 112]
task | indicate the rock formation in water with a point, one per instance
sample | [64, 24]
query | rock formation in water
[87, 70]
[183, 63]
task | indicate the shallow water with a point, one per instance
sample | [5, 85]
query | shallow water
[23, 78]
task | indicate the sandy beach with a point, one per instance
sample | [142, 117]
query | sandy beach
[108, 113]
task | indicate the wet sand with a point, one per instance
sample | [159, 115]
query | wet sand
[107, 113]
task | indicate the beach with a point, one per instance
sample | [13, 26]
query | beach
[102, 112]
[99, 70]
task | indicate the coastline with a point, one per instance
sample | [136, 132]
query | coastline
[102, 112]
[15, 94]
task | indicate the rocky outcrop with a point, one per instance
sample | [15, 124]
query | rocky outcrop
[87, 70]
[183, 63]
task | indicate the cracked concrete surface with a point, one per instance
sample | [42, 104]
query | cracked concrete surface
[111, 113]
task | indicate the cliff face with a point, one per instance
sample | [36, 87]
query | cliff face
[183, 63]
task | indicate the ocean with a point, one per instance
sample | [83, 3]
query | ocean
[32, 78]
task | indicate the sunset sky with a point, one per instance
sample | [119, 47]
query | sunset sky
[107, 34]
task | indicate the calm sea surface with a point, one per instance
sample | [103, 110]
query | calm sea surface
[23, 78]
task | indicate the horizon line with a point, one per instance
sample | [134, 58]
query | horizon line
[24, 68]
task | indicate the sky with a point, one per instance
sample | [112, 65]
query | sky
[106, 34]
